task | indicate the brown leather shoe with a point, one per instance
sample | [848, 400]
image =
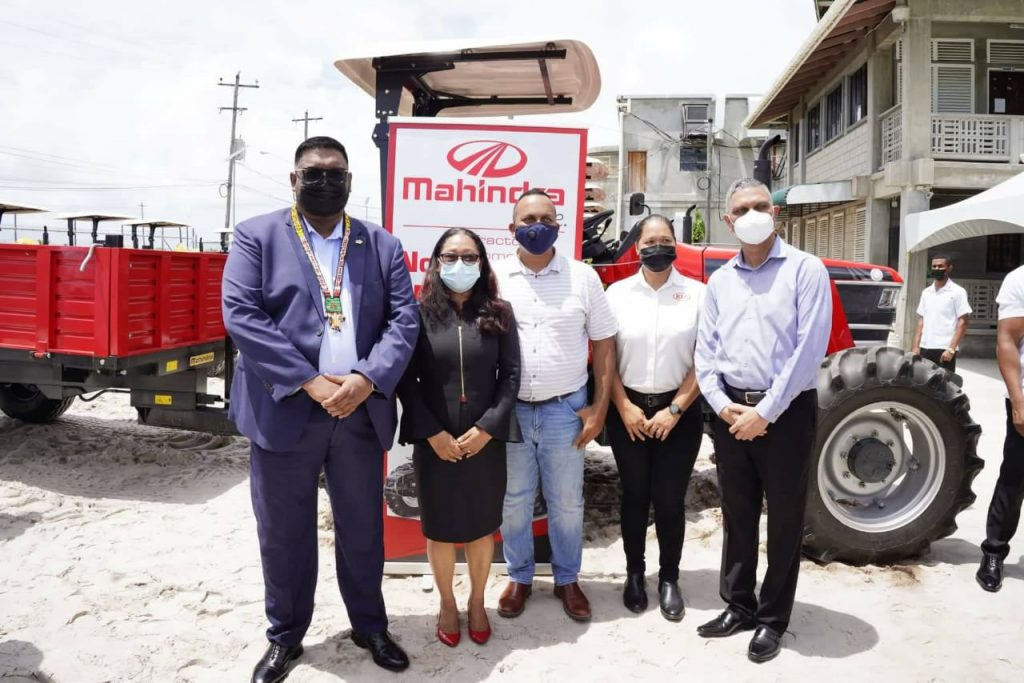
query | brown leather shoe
[574, 602]
[513, 599]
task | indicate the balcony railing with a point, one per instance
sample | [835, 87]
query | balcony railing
[971, 137]
[892, 134]
[958, 137]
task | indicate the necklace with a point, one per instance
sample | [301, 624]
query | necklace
[331, 295]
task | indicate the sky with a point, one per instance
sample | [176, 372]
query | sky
[111, 104]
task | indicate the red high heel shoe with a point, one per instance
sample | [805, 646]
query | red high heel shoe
[479, 637]
[449, 639]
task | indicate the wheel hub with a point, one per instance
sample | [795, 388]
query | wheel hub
[871, 461]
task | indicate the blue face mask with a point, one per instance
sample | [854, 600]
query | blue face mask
[460, 277]
[537, 238]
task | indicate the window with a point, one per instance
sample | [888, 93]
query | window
[637, 171]
[838, 233]
[695, 120]
[953, 88]
[897, 50]
[810, 236]
[693, 156]
[857, 106]
[814, 128]
[860, 235]
[794, 142]
[834, 113]
[1002, 253]
[822, 241]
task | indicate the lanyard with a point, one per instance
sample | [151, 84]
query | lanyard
[331, 295]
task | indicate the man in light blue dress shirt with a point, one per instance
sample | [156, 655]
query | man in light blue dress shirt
[763, 334]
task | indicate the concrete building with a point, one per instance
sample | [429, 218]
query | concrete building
[680, 151]
[895, 107]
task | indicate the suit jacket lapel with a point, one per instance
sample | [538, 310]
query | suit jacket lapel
[306, 269]
[355, 264]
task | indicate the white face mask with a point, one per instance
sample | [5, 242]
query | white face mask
[754, 227]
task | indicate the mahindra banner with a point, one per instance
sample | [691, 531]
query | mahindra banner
[467, 175]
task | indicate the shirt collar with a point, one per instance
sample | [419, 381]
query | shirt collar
[555, 265]
[336, 234]
[779, 250]
[675, 279]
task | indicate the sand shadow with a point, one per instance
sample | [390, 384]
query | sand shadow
[95, 458]
[986, 367]
[957, 551]
[814, 631]
[339, 656]
[12, 526]
[19, 662]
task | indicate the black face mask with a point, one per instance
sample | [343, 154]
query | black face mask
[324, 198]
[937, 274]
[658, 257]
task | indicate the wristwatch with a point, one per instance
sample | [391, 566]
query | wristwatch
[674, 409]
[952, 351]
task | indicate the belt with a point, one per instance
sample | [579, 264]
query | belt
[545, 401]
[650, 400]
[748, 397]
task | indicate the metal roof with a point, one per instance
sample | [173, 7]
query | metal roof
[839, 31]
[474, 73]
[94, 216]
[155, 223]
[12, 207]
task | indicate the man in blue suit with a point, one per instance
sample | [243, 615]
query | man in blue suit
[321, 307]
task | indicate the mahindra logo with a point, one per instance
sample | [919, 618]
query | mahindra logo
[487, 158]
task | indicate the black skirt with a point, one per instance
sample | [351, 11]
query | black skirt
[460, 501]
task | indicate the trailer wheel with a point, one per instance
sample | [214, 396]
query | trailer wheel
[895, 455]
[401, 492]
[26, 402]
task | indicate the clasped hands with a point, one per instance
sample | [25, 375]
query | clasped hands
[639, 427]
[745, 423]
[451, 449]
[339, 395]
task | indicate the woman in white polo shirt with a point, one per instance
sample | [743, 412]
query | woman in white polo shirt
[655, 432]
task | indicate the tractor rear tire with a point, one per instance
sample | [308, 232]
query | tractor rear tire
[894, 458]
[27, 403]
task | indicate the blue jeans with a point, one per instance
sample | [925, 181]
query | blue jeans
[546, 455]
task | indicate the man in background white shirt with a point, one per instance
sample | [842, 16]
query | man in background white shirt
[942, 316]
[1004, 511]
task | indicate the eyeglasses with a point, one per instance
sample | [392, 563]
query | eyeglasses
[450, 258]
[313, 176]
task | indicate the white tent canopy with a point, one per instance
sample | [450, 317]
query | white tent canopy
[997, 210]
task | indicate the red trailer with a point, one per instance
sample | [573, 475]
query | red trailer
[76, 320]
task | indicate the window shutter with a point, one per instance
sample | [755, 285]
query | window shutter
[953, 50]
[899, 50]
[860, 235]
[1006, 52]
[838, 224]
[952, 89]
[822, 245]
[810, 235]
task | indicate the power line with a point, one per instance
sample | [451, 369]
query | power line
[264, 175]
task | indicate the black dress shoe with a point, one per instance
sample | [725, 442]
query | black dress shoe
[634, 592]
[726, 624]
[386, 653]
[990, 573]
[765, 645]
[275, 663]
[672, 605]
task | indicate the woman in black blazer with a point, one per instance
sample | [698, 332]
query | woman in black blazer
[458, 410]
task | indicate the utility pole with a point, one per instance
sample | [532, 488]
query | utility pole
[142, 210]
[707, 212]
[305, 123]
[232, 153]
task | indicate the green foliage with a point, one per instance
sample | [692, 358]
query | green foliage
[699, 230]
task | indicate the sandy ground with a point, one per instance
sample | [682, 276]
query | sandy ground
[129, 554]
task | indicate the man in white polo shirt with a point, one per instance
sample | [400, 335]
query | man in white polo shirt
[942, 316]
[559, 306]
[1004, 511]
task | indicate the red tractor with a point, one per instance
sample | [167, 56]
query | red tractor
[896, 449]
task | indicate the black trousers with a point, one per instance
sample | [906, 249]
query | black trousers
[655, 472]
[774, 466]
[1004, 511]
[935, 356]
